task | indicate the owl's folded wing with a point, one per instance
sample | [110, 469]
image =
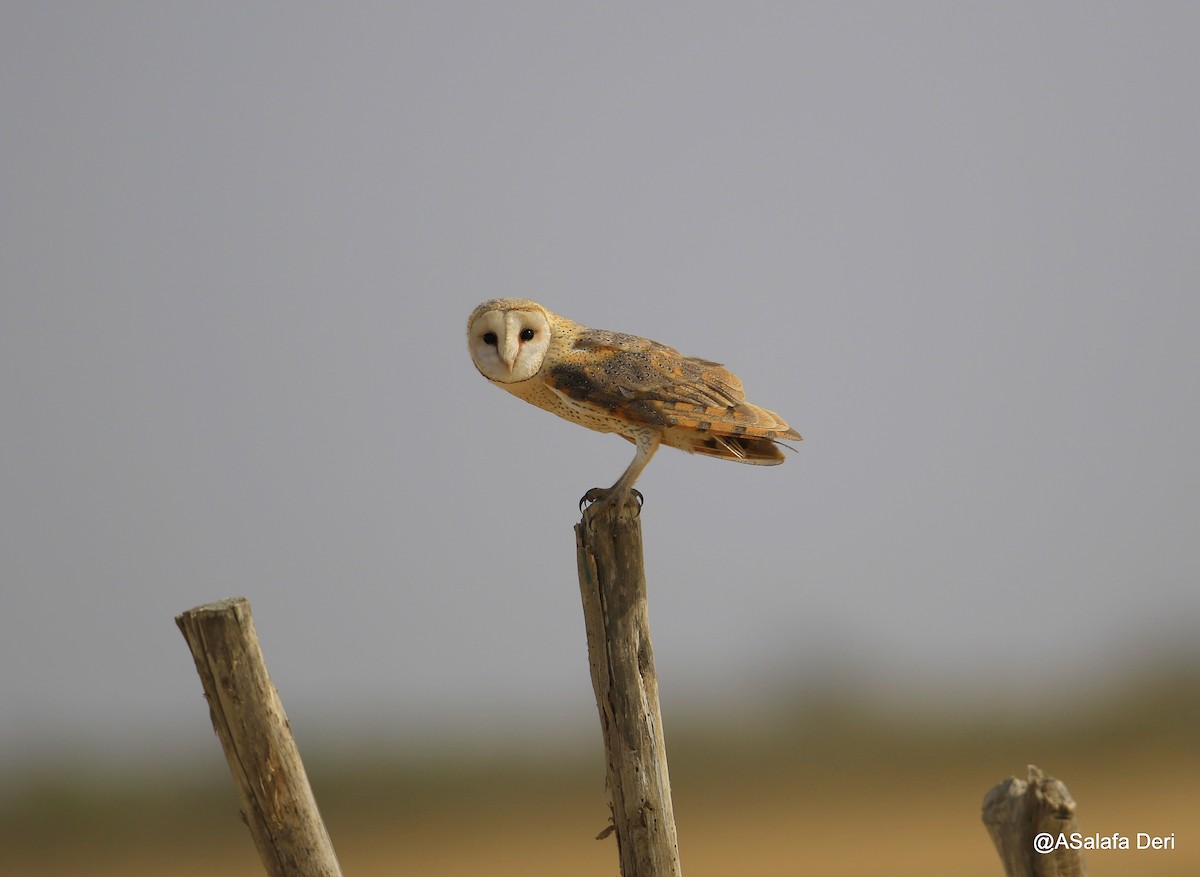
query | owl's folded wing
[651, 384]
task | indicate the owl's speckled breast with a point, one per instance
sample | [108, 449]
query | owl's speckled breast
[536, 392]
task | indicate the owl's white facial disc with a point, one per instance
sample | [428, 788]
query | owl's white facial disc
[508, 346]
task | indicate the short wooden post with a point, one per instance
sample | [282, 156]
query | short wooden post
[612, 582]
[1019, 812]
[277, 802]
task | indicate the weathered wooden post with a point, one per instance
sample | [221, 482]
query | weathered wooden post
[277, 801]
[612, 582]
[1021, 814]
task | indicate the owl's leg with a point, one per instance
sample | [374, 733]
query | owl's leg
[647, 443]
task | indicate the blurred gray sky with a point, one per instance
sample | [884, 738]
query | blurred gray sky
[954, 244]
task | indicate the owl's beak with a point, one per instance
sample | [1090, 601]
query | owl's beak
[509, 350]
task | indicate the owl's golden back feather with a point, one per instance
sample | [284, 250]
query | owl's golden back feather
[698, 405]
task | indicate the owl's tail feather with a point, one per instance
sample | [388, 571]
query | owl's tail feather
[736, 448]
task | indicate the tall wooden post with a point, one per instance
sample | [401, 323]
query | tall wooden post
[612, 582]
[277, 801]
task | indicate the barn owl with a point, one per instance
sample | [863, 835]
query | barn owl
[644, 391]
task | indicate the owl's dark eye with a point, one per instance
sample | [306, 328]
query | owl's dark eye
[489, 338]
[526, 334]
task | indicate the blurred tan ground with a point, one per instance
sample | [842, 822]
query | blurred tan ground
[838, 794]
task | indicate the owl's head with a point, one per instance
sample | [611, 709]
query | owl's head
[508, 339]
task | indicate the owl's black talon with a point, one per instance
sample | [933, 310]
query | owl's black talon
[605, 494]
[593, 496]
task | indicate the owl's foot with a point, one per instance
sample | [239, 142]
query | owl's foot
[603, 495]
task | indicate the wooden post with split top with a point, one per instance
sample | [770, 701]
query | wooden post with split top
[612, 582]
